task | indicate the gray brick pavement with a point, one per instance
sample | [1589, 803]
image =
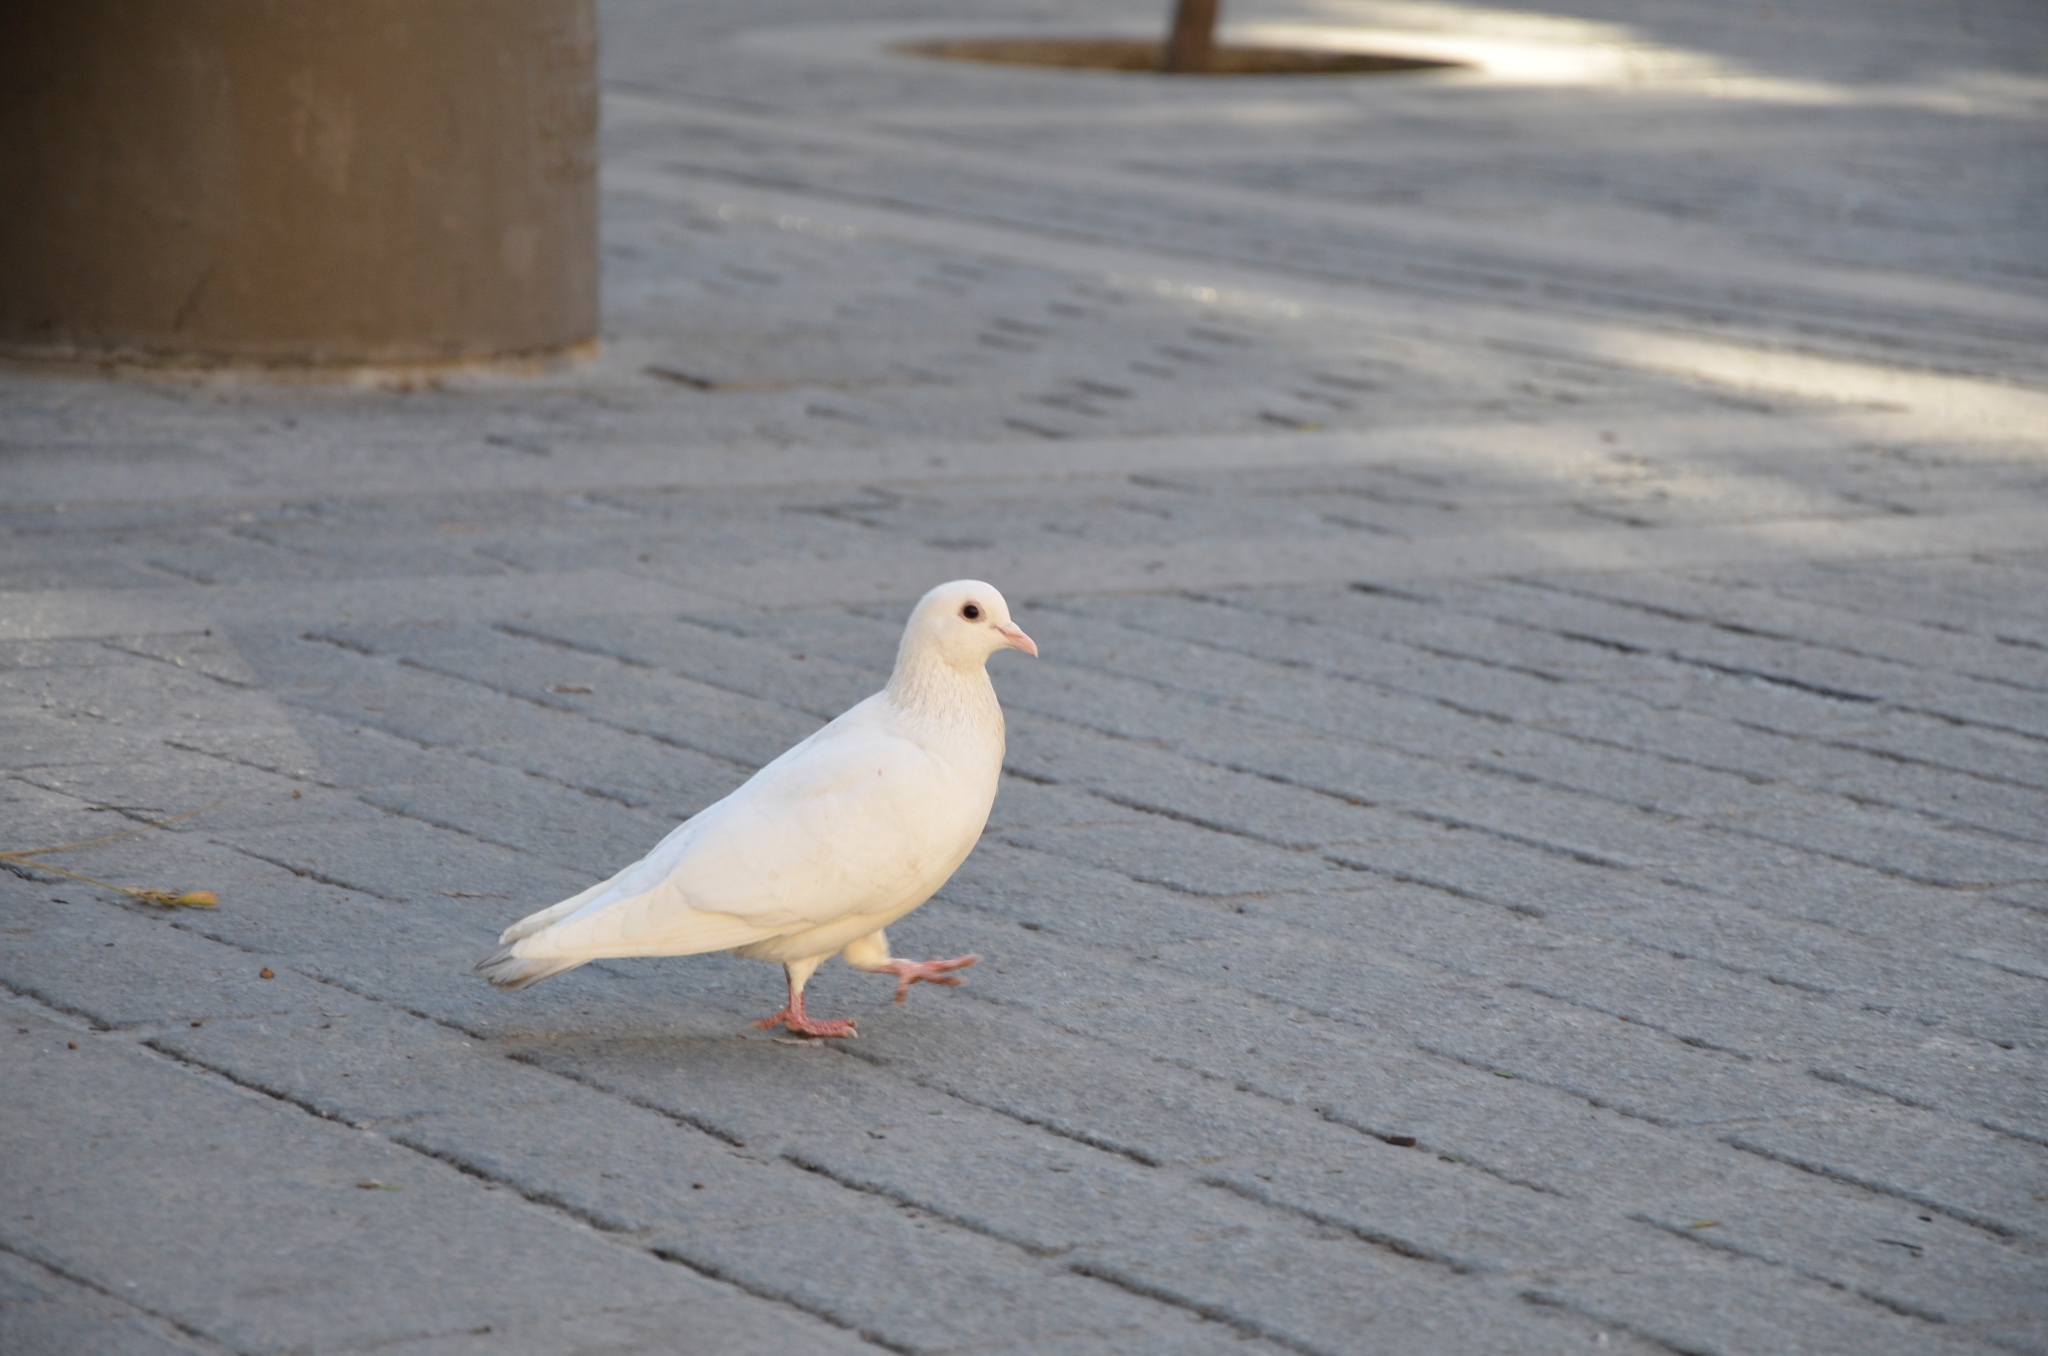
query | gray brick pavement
[1541, 580]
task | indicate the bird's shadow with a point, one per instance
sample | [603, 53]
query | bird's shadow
[693, 1012]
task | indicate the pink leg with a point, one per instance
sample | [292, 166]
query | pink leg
[792, 1017]
[930, 972]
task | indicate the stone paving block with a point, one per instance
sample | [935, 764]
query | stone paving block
[1023, 805]
[431, 1256]
[1980, 1081]
[1207, 795]
[553, 740]
[1989, 599]
[929, 1185]
[1390, 1088]
[562, 825]
[127, 691]
[1947, 694]
[132, 845]
[1905, 845]
[1478, 628]
[696, 715]
[1724, 602]
[1946, 989]
[208, 652]
[43, 1311]
[624, 1332]
[1320, 1197]
[1772, 709]
[1178, 856]
[775, 1227]
[1521, 870]
[25, 656]
[1667, 1086]
[931, 1152]
[1987, 1180]
[817, 684]
[1984, 1083]
[1722, 1302]
[39, 817]
[167, 782]
[31, 564]
[122, 970]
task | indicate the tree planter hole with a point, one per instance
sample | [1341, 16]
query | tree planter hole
[1146, 57]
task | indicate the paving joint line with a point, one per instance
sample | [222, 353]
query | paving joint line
[1099, 1271]
[578, 648]
[183, 1329]
[1564, 1000]
[1678, 1128]
[1479, 267]
[798, 1160]
[308, 873]
[1689, 1040]
[1547, 1300]
[1740, 629]
[1765, 676]
[1412, 282]
[1721, 1245]
[533, 1060]
[1695, 1042]
[712, 1272]
[1099, 1143]
[1841, 1079]
[542, 1200]
[1607, 689]
[2005, 1233]
[1593, 793]
[1096, 1271]
[558, 708]
[114, 645]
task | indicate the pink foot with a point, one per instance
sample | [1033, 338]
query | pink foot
[930, 972]
[792, 1019]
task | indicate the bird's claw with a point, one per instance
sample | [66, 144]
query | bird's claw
[926, 972]
[797, 1024]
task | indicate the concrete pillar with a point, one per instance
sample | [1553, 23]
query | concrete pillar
[298, 183]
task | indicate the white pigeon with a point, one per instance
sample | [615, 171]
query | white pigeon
[827, 845]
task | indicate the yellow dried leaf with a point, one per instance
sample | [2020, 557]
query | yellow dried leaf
[182, 899]
[190, 899]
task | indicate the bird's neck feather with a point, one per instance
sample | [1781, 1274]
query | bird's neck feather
[928, 688]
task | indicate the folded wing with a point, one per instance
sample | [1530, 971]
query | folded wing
[850, 821]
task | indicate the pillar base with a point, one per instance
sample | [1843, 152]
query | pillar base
[298, 186]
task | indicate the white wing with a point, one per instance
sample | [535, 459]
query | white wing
[855, 819]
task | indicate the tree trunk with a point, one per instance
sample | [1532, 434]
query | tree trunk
[1192, 41]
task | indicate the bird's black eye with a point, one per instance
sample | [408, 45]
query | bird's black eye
[972, 612]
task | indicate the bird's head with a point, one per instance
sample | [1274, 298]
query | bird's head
[962, 624]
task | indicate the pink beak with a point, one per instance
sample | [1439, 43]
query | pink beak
[1011, 632]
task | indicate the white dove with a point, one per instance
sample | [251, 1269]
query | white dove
[827, 845]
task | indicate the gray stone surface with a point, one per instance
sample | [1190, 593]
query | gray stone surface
[1543, 580]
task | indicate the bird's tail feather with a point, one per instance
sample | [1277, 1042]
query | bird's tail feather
[508, 971]
[534, 922]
